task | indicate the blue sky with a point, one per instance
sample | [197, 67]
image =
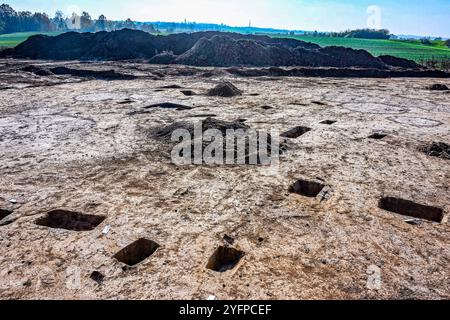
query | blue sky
[418, 17]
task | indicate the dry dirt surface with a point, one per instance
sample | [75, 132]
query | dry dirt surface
[93, 208]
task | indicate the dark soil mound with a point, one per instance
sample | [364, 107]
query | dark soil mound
[8, 52]
[399, 62]
[438, 87]
[342, 72]
[242, 132]
[39, 71]
[199, 49]
[96, 74]
[224, 51]
[346, 57]
[125, 45]
[438, 149]
[225, 89]
[116, 45]
[182, 42]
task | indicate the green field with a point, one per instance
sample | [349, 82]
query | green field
[13, 39]
[413, 50]
[408, 49]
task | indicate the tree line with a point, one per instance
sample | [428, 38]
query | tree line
[358, 34]
[12, 21]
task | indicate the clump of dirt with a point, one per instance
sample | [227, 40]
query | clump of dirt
[438, 87]
[224, 89]
[438, 149]
[39, 71]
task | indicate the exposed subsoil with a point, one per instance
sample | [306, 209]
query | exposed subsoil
[92, 206]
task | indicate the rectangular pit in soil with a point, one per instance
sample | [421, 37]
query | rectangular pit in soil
[328, 122]
[295, 132]
[438, 149]
[224, 259]
[307, 188]
[4, 213]
[378, 136]
[411, 209]
[137, 252]
[97, 277]
[68, 220]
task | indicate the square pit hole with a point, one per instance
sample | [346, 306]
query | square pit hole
[224, 259]
[307, 188]
[328, 122]
[378, 136]
[137, 252]
[411, 209]
[97, 277]
[4, 213]
[437, 149]
[68, 220]
[295, 132]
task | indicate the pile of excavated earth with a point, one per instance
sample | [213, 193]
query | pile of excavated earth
[215, 49]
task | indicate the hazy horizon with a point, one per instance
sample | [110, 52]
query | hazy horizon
[411, 17]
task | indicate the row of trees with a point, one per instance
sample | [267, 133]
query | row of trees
[358, 33]
[12, 21]
[24, 21]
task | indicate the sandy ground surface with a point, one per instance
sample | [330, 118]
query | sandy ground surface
[79, 144]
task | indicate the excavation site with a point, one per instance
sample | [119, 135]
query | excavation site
[93, 205]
